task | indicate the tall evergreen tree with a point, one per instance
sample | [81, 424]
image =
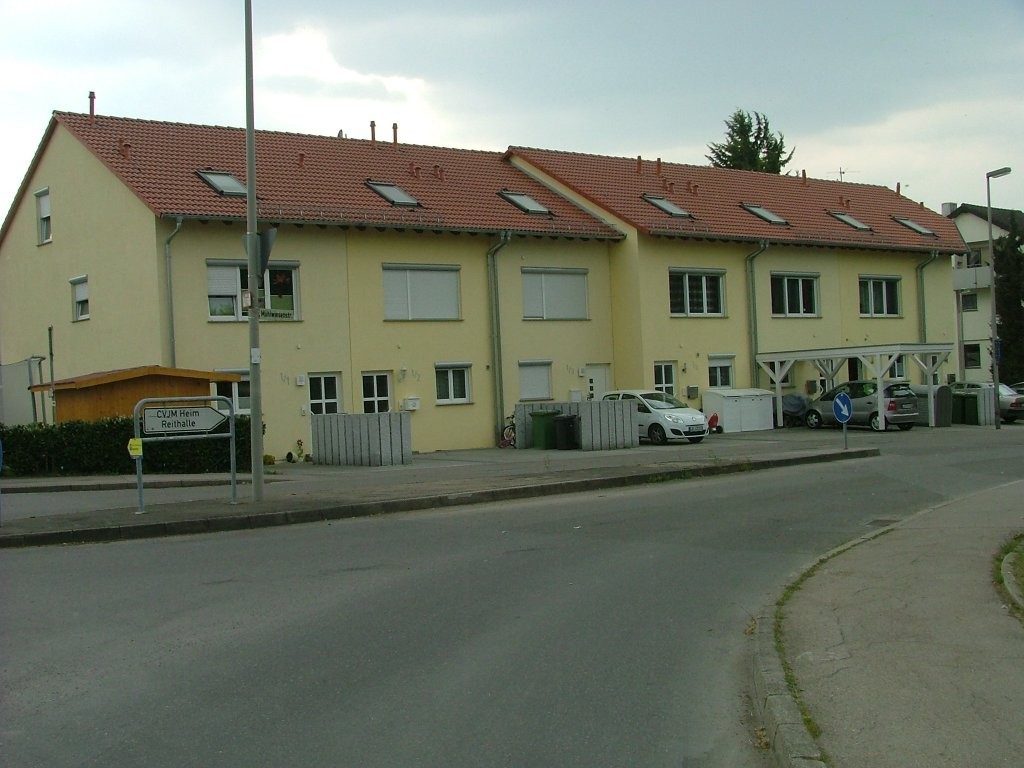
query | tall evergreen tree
[750, 145]
[1008, 262]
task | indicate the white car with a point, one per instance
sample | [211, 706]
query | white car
[663, 417]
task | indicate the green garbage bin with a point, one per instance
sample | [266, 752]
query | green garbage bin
[543, 428]
[958, 408]
[971, 409]
[565, 432]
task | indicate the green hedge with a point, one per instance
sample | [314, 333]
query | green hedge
[101, 448]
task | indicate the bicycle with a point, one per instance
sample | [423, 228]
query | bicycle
[508, 434]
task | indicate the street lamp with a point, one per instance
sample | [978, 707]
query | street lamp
[992, 262]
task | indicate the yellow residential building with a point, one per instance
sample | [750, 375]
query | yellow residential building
[449, 283]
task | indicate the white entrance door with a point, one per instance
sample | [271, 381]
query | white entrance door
[598, 377]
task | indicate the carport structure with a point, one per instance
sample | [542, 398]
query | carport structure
[877, 360]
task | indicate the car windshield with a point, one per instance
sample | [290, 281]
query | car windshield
[1007, 390]
[662, 401]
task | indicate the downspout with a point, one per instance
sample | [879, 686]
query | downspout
[752, 310]
[492, 296]
[922, 328]
[170, 289]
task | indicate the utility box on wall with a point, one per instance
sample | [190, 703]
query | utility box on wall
[740, 410]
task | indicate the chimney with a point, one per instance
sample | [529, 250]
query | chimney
[438, 172]
[639, 165]
[803, 177]
[126, 149]
[897, 189]
[948, 208]
[92, 106]
[657, 167]
[373, 132]
[394, 131]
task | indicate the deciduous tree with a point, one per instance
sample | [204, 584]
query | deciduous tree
[1008, 261]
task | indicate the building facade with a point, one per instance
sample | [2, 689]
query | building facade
[449, 283]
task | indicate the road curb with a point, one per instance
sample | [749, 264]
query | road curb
[1012, 587]
[309, 512]
[788, 737]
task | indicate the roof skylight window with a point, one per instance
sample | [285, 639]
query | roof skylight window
[393, 193]
[911, 224]
[853, 222]
[666, 205]
[524, 202]
[764, 213]
[224, 183]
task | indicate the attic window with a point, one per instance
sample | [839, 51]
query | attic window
[764, 213]
[393, 193]
[224, 183]
[524, 202]
[848, 219]
[911, 224]
[667, 206]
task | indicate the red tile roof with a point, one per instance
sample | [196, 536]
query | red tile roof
[322, 179]
[715, 198]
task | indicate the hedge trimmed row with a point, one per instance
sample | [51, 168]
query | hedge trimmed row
[101, 448]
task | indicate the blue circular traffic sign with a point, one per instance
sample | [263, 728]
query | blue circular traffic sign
[842, 407]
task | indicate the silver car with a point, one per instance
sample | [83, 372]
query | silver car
[662, 417]
[899, 405]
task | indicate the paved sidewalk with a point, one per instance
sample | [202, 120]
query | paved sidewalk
[904, 654]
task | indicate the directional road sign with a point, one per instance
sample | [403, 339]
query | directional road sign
[842, 408]
[200, 418]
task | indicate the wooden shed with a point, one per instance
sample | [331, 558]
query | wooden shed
[95, 396]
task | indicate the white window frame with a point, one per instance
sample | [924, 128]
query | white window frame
[898, 368]
[665, 376]
[972, 356]
[234, 391]
[372, 402]
[554, 293]
[699, 276]
[79, 298]
[417, 292]
[224, 281]
[800, 278]
[535, 380]
[44, 222]
[871, 283]
[717, 363]
[447, 375]
[323, 404]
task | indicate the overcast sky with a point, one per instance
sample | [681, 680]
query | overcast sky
[922, 92]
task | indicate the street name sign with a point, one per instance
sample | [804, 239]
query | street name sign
[201, 418]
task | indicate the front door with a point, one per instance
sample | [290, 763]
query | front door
[598, 376]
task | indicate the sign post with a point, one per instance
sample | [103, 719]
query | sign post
[842, 409]
[174, 421]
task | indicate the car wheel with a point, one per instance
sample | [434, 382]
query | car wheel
[695, 440]
[1009, 419]
[904, 427]
[876, 423]
[657, 434]
[812, 419]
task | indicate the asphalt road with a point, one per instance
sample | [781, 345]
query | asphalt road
[586, 630]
